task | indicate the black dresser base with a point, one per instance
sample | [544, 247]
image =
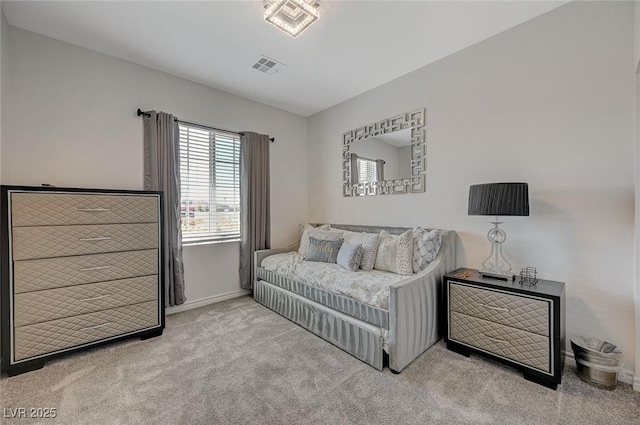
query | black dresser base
[527, 374]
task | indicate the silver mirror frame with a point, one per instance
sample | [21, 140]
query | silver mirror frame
[416, 183]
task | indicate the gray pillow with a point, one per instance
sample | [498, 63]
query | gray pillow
[349, 256]
[323, 250]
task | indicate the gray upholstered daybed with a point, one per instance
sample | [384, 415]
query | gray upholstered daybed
[400, 319]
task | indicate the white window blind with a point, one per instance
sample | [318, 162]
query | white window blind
[210, 184]
[366, 170]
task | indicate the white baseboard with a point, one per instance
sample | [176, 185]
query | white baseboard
[190, 305]
[625, 375]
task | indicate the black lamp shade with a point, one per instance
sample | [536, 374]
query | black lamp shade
[499, 199]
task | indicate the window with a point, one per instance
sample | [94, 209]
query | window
[367, 171]
[210, 184]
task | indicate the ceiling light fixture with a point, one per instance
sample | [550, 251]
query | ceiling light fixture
[291, 16]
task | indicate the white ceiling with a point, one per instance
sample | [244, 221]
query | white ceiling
[354, 47]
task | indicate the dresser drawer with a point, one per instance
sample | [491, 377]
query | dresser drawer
[524, 313]
[49, 273]
[52, 304]
[514, 344]
[56, 209]
[60, 241]
[47, 337]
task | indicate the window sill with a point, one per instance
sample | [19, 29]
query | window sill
[196, 243]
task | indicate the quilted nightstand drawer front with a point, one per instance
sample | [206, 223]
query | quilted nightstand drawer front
[524, 313]
[49, 273]
[61, 241]
[54, 209]
[52, 304]
[514, 344]
[47, 337]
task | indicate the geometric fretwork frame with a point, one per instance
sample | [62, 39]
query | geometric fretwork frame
[416, 183]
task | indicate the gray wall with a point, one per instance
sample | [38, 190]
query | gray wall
[551, 103]
[71, 121]
[636, 67]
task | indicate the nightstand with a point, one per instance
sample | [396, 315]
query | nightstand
[521, 325]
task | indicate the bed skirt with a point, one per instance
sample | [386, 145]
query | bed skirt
[354, 336]
[352, 307]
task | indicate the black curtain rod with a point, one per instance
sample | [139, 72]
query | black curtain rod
[140, 112]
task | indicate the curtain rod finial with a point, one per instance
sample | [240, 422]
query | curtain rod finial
[139, 112]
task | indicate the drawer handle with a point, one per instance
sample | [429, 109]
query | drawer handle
[94, 209]
[104, 238]
[504, 341]
[90, 269]
[95, 298]
[506, 310]
[90, 328]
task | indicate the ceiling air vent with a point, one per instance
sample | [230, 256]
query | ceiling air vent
[267, 65]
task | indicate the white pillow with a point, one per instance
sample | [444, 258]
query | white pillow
[352, 237]
[426, 245]
[349, 257]
[395, 253]
[304, 236]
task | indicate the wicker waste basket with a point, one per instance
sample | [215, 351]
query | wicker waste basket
[598, 362]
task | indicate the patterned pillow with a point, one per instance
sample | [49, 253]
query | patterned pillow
[426, 245]
[395, 253]
[322, 250]
[304, 236]
[369, 242]
[349, 256]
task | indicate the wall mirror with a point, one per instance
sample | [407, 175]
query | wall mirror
[385, 157]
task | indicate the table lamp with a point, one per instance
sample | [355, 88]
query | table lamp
[498, 199]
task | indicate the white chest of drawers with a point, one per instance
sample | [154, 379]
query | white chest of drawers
[79, 268]
[518, 324]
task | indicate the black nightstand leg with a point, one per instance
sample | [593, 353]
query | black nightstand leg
[151, 335]
[545, 382]
[25, 367]
[459, 349]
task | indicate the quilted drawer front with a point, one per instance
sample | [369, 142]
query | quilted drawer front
[60, 241]
[519, 312]
[43, 306]
[525, 347]
[47, 337]
[49, 273]
[54, 209]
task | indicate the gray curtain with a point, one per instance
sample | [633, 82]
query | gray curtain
[162, 172]
[379, 170]
[355, 173]
[255, 214]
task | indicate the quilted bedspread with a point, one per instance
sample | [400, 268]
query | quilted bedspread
[369, 287]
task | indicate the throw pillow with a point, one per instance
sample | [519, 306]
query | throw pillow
[349, 256]
[352, 237]
[395, 253]
[304, 236]
[369, 242]
[426, 245]
[322, 250]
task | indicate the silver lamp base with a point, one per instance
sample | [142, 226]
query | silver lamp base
[496, 266]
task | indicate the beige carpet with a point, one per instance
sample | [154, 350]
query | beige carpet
[237, 362]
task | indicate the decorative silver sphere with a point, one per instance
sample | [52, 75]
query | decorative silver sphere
[496, 235]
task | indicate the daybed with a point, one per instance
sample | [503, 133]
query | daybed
[365, 313]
